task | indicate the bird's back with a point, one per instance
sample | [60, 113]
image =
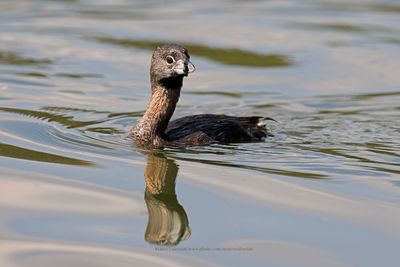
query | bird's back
[209, 128]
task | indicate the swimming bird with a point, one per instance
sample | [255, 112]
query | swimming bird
[170, 63]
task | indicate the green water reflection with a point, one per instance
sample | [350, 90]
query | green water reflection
[276, 171]
[32, 74]
[109, 114]
[11, 58]
[364, 7]
[341, 27]
[374, 95]
[11, 151]
[227, 56]
[79, 75]
[217, 93]
[65, 120]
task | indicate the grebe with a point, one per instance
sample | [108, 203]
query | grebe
[169, 65]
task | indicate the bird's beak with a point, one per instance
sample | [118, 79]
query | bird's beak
[191, 67]
[184, 68]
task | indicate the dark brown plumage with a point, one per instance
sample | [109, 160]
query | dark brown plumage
[169, 64]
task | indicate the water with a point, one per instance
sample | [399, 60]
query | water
[324, 191]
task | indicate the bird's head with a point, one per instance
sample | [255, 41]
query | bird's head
[169, 62]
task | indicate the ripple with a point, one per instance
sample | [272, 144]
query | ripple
[12, 58]
[343, 27]
[79, 75]
[7, 150]
[228, 56]
[62, 119]
[32, 254]
[59, 194]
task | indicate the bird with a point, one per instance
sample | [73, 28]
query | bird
[170, 63]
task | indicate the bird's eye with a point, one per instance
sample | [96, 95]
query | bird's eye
[170, 60]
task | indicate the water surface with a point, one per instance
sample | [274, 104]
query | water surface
[324, 191]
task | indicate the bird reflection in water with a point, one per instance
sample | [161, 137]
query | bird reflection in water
[168, 223]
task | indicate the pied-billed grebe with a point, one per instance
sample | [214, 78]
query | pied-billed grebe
[169, 64]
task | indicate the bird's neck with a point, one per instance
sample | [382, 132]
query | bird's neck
[164, 97]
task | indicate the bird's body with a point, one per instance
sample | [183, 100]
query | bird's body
[169, 64]
[206, 129]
